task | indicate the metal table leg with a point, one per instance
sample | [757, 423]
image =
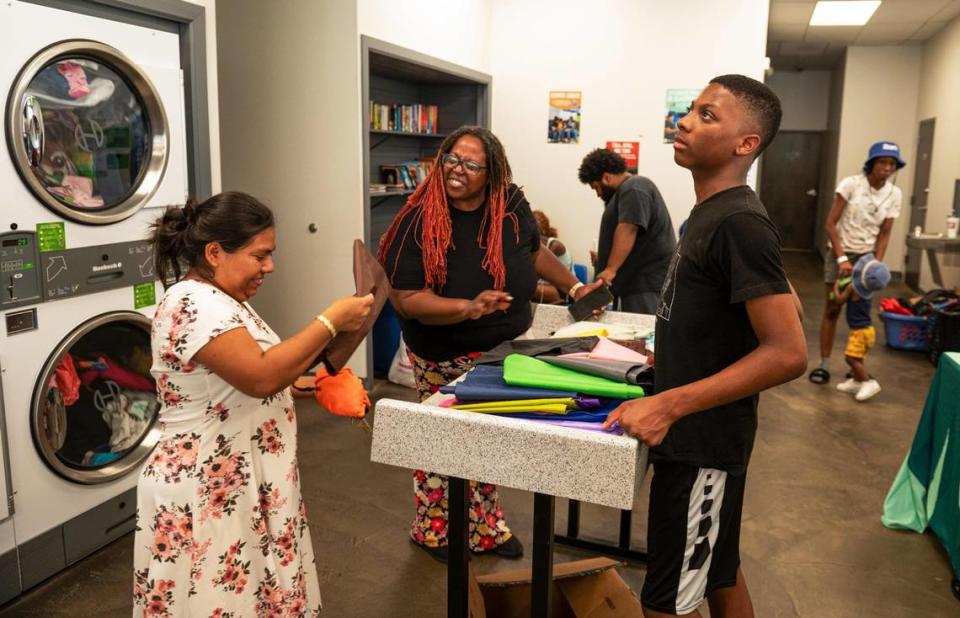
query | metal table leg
[934, 267]
[457, 583]
[621, 550]
[542, 570]
[573, 518]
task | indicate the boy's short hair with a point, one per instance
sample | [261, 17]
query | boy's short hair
[760, 102]
[599, 162]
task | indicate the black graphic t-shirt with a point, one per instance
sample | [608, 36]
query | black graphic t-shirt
[466, 278]
[729, 254]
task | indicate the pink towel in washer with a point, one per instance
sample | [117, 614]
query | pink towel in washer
[76, 79]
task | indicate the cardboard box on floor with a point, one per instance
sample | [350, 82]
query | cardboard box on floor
[581, 589]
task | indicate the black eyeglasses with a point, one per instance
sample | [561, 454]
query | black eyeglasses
[471, 167]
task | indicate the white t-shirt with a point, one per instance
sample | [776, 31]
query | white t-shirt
[865, 212]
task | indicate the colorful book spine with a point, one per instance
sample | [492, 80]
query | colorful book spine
[417, 118]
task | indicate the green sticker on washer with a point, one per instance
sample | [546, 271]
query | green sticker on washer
[144, 295]
[51, 236]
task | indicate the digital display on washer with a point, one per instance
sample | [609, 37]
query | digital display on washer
[16, 242]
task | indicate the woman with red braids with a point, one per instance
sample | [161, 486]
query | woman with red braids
[464, 257]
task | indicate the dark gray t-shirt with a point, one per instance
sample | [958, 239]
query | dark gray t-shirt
[638, 201]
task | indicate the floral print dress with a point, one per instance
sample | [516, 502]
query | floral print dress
[221, 527]
[486, 526]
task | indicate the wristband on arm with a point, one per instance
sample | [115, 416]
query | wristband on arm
[573, 290]
[328, 324]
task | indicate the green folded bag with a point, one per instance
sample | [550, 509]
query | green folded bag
[520, 370]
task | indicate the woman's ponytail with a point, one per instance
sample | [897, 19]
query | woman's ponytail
[180, 235]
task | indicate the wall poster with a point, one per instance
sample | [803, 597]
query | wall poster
[630, 151]
[678, 102]
[563, 123]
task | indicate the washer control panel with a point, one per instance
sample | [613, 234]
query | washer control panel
[20, 276]
[87, 270]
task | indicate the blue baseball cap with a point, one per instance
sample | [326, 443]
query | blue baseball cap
[869, 276]
[883, 149]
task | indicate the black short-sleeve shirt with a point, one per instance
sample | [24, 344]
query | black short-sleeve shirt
[637, 200]
[466, 278]
[729, 254]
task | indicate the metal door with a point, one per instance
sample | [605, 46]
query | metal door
[918, 201]
[788, 187]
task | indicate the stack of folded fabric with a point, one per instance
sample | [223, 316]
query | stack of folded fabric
[577, 388]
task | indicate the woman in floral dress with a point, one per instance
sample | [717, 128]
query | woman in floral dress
[221, 527]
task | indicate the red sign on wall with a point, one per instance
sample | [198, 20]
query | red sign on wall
[630, 151]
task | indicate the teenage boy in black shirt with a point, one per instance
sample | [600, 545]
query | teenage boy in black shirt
[727, 328]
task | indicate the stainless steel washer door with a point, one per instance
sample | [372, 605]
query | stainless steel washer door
[87, 132]
[94, 407]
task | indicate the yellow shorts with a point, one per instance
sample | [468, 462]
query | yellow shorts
[859, 342]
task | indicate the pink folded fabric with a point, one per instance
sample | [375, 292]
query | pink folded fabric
[608, 350]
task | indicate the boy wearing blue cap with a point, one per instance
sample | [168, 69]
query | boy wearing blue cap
[859, 222]
[869, 276]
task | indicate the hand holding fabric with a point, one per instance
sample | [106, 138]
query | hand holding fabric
[586, 289]
[350, 312]
[647, 419]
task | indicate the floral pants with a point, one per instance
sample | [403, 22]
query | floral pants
[487, 529]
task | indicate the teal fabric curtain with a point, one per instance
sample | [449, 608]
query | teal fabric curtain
[926, 491]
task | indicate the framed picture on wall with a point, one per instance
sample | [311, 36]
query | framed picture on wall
[563, 120]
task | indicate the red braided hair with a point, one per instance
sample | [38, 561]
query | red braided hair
[428, 210]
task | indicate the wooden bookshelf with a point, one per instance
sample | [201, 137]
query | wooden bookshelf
[395, 75]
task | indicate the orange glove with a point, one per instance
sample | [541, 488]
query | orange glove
[342, 394]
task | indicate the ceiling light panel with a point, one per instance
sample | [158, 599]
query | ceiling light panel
[850, 13]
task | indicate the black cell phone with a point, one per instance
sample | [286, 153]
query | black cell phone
[584, 308]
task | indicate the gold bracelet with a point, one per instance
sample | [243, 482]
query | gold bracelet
[326, 322]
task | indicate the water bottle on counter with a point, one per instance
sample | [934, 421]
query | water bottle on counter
[953, 223]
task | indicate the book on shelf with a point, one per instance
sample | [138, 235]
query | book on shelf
[380, 187]
[416, 118]
[408, 174]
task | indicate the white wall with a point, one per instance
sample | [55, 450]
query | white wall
[623, 58]
[213, 93]
[457, 31]
[939, 92]
[880, 90]
[805, 97]
[290, 107]
[939, 96]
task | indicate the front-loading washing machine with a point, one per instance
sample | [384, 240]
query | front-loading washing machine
[96, 138]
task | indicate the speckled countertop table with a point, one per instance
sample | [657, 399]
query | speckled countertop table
[548, 460]
[560, 461]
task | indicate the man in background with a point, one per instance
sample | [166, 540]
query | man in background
[636, 239]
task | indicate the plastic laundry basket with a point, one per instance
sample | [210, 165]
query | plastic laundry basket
[905, 332]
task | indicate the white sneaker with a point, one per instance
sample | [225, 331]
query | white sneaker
[849, 386]
[867, 390]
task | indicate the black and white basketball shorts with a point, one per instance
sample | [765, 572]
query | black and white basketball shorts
[693, 535]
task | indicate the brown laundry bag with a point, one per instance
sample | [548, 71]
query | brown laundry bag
[369, 277]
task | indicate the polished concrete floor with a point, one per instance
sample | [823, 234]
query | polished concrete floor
[812, 542]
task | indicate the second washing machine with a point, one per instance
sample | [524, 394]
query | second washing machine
[96, 138]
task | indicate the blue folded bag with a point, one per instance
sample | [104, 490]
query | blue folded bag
[485, 383]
